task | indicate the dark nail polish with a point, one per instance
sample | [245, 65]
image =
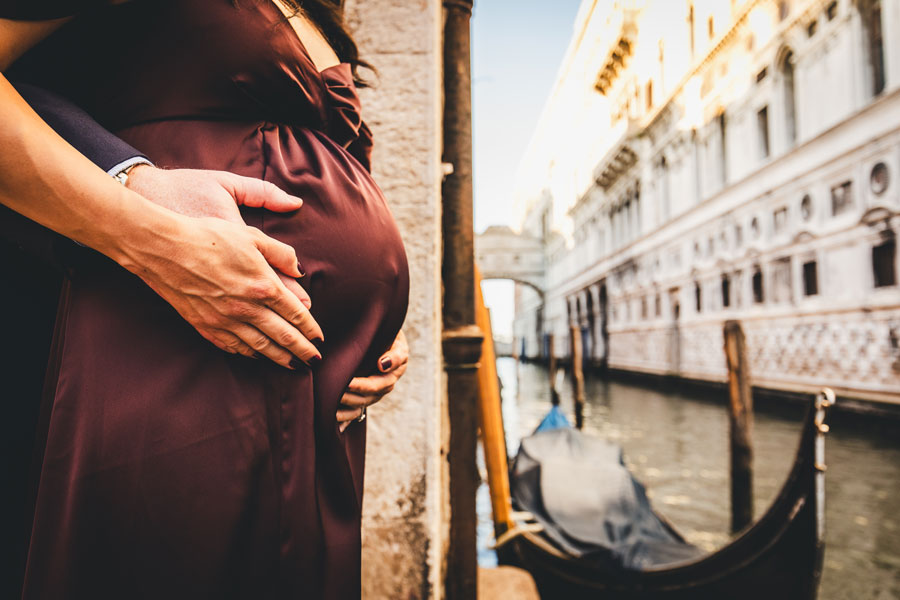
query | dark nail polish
[315, 360]
[318, 343]
[301, 269]
[386, 363]
[295, 363]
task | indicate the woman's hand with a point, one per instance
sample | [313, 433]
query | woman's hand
[366, 391]
[217, 275]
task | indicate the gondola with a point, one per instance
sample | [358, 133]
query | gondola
[777, 557]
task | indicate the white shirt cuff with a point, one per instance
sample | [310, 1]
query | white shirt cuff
[134, 160]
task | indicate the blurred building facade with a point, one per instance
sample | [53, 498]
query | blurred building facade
[705, 160]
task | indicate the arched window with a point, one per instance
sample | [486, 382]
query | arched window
[726, 291]
[627, 218]
[786, 69]
[590, 306]
[663, 189]
[723, 149]
[870, 10]
[637, 211]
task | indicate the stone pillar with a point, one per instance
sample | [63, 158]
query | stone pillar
[403, 530]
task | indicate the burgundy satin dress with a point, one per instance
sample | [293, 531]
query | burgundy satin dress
[172, 469]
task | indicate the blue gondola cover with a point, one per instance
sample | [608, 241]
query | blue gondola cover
[555, 419]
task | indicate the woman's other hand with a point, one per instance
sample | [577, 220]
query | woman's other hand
[366, 391]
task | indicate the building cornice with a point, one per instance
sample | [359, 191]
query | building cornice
[619, 53]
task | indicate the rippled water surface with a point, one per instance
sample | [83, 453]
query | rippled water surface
[677, 445]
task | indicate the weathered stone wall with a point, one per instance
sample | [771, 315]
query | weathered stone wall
[402, 525]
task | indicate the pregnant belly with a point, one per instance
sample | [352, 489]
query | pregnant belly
[203, 461]
[344, 235]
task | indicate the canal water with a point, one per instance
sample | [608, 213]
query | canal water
[677, 445]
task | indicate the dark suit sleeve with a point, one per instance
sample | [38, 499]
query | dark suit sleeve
[104, 149]
[77, 127]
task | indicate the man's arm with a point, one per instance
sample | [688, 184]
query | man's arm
[107, 151]
[101, 147]
[215, 274]
[189, 192]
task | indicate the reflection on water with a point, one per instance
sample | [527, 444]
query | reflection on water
[677, 445]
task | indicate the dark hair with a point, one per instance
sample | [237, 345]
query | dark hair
[328, 16]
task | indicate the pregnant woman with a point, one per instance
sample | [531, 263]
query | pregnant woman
[172, 469]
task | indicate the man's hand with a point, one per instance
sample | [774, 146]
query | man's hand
[241, 305]
[366, 391]
[200, 193]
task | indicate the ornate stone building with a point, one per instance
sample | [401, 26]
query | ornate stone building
[705, 160]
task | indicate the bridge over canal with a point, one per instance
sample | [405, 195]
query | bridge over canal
[501, 253]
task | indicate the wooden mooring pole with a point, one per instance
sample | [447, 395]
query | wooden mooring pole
[490, 410]
[551, 356]
[740, 426]
[577, 375]
[551, 370]
[461, 337]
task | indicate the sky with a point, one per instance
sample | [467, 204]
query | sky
[517, 47]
